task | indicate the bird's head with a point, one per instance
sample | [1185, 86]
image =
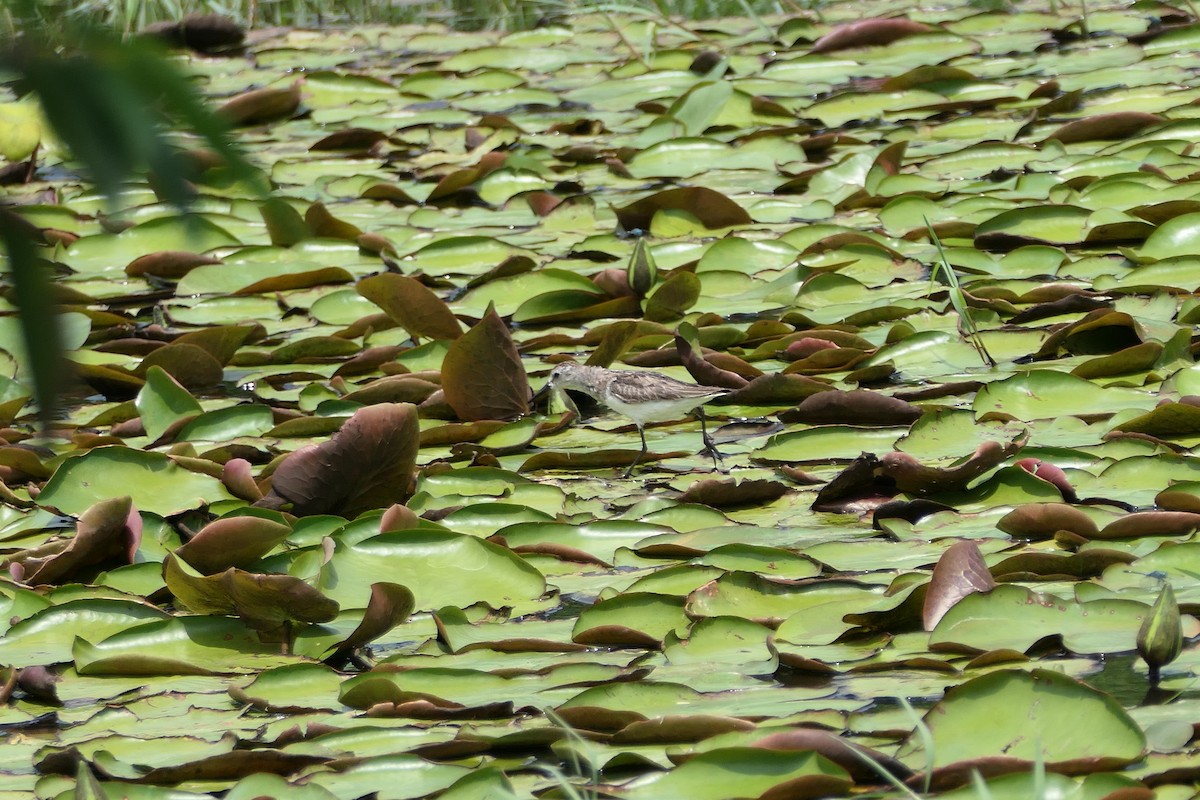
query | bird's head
[565, 375]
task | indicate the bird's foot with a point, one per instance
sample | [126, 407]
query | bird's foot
[718, 460]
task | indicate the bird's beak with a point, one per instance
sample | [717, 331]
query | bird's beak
[544, 395]
[541, 395]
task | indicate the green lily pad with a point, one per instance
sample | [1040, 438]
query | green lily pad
[1041, 716]
[440, 568]
[1014, 618]
[154, 481]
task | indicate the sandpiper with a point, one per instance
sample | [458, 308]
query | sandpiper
[641, 395]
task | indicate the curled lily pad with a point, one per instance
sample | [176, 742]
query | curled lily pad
[868, 33]
[367, 464]
[414, 307]
[711, 208]
[261, 105]
[265, 602]
[959, 572]
[1118, 125]
[390, 604]
[482, 375]
[232, 542]
[109, 532]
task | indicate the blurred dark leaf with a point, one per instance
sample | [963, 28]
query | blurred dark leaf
[39, 318]
[111, 102]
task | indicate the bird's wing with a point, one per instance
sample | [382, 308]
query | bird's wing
[633, 387]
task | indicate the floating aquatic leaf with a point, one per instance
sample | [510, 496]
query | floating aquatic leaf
[232, 542]
[482, 375]
[1118, 125]
[1041, 716]
[1015, 618]
[107, 534]
[155, 482]
[265, 602]
[390, 604]
[868, 33]
[163, 402]
[261, 105]
[414, 307]
[712, 209]
[368, 464]
[675, 296]
[169, 264]
[959, 572]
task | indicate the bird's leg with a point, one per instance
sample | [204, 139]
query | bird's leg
[642, 433]
[710, 446]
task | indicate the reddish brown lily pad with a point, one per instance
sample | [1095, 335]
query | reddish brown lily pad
[868, 33]
[232, 542]
[367, 464]
[168, 264]
[107, 534]
[482, 374]
[730, 493]
[412, 305]
[959, 572]
[390, 604]
[1043, 520]
[261, 105]
[1117, 125]
[855, 407]
[713, 209]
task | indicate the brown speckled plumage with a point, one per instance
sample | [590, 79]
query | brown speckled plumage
[641, 395]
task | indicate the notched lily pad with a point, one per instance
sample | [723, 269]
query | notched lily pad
[1040, 716]
[1013, 617]
[154, 481]
[632, 619]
